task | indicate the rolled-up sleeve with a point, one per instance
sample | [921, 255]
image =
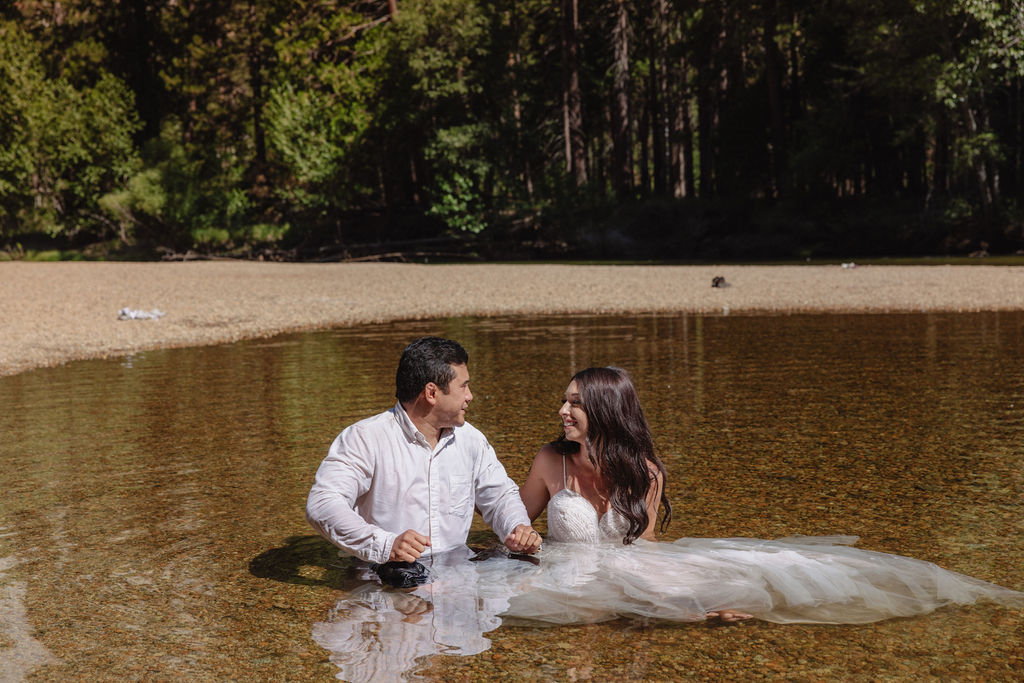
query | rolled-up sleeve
[497, 496]
[343, 477]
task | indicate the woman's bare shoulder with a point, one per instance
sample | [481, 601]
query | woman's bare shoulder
[548, 455]
[548, 462]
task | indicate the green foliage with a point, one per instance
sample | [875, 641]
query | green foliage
[460, 170]
[443, 42]
[989, 51]
[268, 233]
[317, 112]
[61, 146]
[211, 237]
[308, 121]
[443, 47]
[338, 105]
[299, 130]
[19, 74]
[312, 135]
[457, 203]
[176, 200]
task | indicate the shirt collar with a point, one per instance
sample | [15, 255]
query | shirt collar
[410, 429]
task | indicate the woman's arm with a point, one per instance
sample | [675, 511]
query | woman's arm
[534, 491]
[653, 502]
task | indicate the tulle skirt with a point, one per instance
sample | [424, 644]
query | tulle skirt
[794, 580]
[377, 633]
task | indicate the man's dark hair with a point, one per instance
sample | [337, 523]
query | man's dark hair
[428, 359]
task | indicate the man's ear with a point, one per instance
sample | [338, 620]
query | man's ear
[430, 393]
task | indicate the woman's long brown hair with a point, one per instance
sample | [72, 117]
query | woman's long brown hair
[619, 444]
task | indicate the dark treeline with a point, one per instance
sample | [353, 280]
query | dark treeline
[628, 128]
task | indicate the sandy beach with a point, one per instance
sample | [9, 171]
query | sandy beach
[53, 313]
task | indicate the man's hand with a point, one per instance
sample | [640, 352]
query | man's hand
[408, 546]
[523, 539]
[412, 606]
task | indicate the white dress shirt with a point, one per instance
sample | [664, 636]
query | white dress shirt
[381, 477]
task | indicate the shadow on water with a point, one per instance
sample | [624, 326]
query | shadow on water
[152, 519]
[306, 561]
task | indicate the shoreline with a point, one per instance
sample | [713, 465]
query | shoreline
[54, 313]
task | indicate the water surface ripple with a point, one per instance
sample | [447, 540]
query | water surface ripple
[152, 528]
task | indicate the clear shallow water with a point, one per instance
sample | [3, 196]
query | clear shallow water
[152, 526]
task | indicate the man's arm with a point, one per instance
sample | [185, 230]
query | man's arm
[344, 475]
[497, 499]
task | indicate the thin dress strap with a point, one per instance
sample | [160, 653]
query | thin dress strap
[565, 484]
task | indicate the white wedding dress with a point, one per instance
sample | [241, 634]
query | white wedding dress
[587, 575]
[584, 574]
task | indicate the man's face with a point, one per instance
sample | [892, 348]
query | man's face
[450, 408]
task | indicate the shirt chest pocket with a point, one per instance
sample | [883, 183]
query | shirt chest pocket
[460, 495]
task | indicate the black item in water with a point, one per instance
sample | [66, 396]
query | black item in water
[402, 574]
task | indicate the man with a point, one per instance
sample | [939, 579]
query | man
[405, 482]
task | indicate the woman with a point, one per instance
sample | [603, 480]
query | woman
[602, 484]
[605, 458]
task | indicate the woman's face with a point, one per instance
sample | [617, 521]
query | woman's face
[574, 419]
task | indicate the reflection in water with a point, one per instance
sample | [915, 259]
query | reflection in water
[21, 650]
[156, 506]
[376, 633]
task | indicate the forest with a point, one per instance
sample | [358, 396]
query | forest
[511, 129]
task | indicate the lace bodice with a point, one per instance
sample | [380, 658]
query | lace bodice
[572, 519]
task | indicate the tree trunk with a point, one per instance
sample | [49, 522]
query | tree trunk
[980, 163]
[622, 153]
[689, 188]
[940, 157]
[643, 141]
[1015, 125]
[773, 79]
[514, 61]
[659, 98]
[795, 102]
[658, 154]
[673, 78]
[572, 101]
[713, 81]
[140, 41]
[915, 167]
[990, 163]
[256, 83]
[707, 118]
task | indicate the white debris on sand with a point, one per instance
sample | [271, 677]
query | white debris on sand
[133, 314]
[51, 313]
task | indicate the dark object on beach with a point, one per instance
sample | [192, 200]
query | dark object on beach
[502, 551]
[402, 574]
[719, 281]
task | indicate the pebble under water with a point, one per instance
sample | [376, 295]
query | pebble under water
[152, 526]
